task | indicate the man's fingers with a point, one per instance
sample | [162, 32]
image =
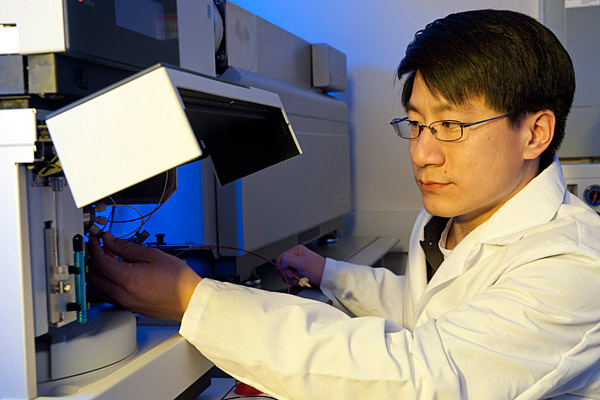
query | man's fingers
[104, 264]
[291, 273]
[295, 251]
[290, 260]
[102, 289]
[125, 249]
[98, 251]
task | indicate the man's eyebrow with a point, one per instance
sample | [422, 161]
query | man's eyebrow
[410, 107]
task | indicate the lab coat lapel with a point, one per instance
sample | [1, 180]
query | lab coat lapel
[416, 272]
[417, 291]
[460, 259]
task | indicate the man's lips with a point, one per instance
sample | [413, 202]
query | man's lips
[430, 185]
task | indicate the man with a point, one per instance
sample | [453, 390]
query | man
[504, 263]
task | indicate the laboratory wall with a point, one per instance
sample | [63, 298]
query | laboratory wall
[374, 35]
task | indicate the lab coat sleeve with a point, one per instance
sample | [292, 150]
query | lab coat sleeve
[363, 290]
[524, 338]
[294, 348]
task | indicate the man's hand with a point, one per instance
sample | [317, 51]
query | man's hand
[151, 282]
[303, 263]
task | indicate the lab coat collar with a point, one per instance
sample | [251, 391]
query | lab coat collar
[536, 204]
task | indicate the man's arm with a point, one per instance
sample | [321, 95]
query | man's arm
[517, 338]
[357, 289]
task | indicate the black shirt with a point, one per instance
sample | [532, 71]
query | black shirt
[430, 244]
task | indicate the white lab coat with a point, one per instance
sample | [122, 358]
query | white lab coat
[511, 313]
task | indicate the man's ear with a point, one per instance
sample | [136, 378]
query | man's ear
[539, 128]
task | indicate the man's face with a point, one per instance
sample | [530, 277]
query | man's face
[471, 178]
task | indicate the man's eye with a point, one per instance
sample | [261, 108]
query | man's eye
[413, 124]
[451, 125]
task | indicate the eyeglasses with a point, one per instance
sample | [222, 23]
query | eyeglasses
[445, 131]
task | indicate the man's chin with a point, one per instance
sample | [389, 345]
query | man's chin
[439, 211]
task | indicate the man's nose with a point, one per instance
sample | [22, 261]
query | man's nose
[426, 149]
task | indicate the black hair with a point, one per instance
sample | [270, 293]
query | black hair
[510, 59]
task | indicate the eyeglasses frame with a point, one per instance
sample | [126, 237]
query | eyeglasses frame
[461, 124]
